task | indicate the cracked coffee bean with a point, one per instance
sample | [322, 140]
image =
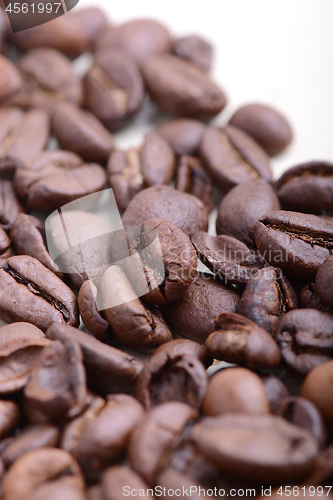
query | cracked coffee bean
[192, 178]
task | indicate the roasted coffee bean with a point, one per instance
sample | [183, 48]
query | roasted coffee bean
[232, 157]
[295, 242]
[5, 250]
[305, 338]
[304, 413]
[268, 295]
[179, 259]
[10, 80]
[48, 79]
[242, 207]
[181, 88]
[30, 438]
[238, 340]
[114, 87]
[172, 479]
[183, 135]
[308, 297]
[119, 480]
[30, 292]
[195, 49]
[79, 131]
[9, 417]
[275, 389]
[65, 34]
[230, 259]
[56, 390]
[140, 38]
[10, 207]
[193, 179]
[164, 202]
[91, 317]
[156, 435]
[307, 187]
[260, 448]
[28, 238]
[184, 347]
[20, 347]
[22, 134]
[133, 324]
[324, 282]
[55, 158]
[94, 442]
[323, 470]
[193, 315]
[266, 125]
[108, 369]
[38, 468]
[56, 490]
[93, 20]
[318, 387]
[48, 188]
[171, 376]
[235, 390]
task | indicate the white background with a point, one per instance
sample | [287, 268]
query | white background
[275, 52]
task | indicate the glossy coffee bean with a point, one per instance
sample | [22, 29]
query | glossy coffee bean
[10, 80]
[183, 135]
[232, 157]
[9, 417]
[235, 390]
[238, 340]
[295, 242]
[193, 315]
[42, 297]
[307, 187]
[164, 202]
[305, 338]
[317, 387]
[193, 179]
[324, 282]
[195, 49]
[93, 20]
[242, 207]
[266, 125]
[275, 389]
[184, 347]
[91, 317]
[308, 297]
[268, 295]
[79, 131]
[181, 88]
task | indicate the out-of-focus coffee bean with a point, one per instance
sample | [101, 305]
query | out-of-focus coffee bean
[56, 490]
[266, 125]
[275, 389]
[117, 481]
[10, 207]
[308, 297]
[318, 387]
[193, 179]
[183, 135]
[324, 282]
[181, 88]
[93, 20]
[53, 157]
[195, 49]
[9, 417]
[184, 347]
[5, 250]
[10, 80]
[235, 390]
[91, 317]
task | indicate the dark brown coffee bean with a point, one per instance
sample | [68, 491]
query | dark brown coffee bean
[324, 282]
[184, 347]
[318, 387]
[308, 297]
[79, 131]
[156, 435]
[65, 34]
[179, 259]
[304, 413]
[51, 187]
[94, 442]
[305, 338]
[164, 202]
[266, 125]
[267, 297]
[242, 207]
[57, 390]
[232, 157]
[56, 490]
[56, 158]
[230, 259]
[183, 135]
[275, 389]
[170, 376]
[5, 250]
[28, 238]
[193, 179]
[259, 448]
[95, 492]
[192, 315]
[91, 317]
[48, 79]
[133, 324]
[235, 390]
[9, 417]
[93, 20]
[307, 187]
[30, 292]
[10, 207]
[108, 369]
[117, 481]
[181, 88]
[195, 49]
[295, 242]
[140, 38]
[20, 347]
[114, 87]
[238, 340]
[10, 80]
[31, 438]
[39, 468]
